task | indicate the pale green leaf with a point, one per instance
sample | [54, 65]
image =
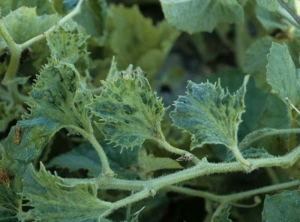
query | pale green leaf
[130, 112]
[92, 18]
[211, 114]
[283, 207]
[271, 5]
[60, 94]
[31, 25]
[68, 44]
[250, 153]
[33, 136]
[194, 15]
[9, 204]
[51, 198]
[270, 20]
[42, 6]
[85, 157]
[150, 163]
[145, 45]
[282, 75]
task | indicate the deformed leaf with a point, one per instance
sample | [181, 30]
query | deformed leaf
[210, 114]
[68, 44]
[60, 94]
[53, 199]
[31, 25]
[282, 207]
[27, 139]
[9, 204]
[194, 16]
[86, 157]
[130, 112]
[282, 75]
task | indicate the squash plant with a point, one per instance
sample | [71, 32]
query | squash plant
[85, 137]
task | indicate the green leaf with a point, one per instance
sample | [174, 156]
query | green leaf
[150, 163]
[42, 7]
[223, 217]
[250, 153]
[270, 20]
[130, 111]
[68, 44]
[7, 114]
[9, 204]
[282, 75]
[271, 5]
[92, 18]
[195, 16]
[210, 114]
[31, 25]
[60, 94]
[86, 157]
[33, 136]
[51, 198]
[145, 45]
[282, 207]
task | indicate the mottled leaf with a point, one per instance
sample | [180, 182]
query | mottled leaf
[52, 199]
[60, 94]
[283, 207]
[282, 75]
[27, 139]
[86, 157]
[211, 114]
[129, 111]
[68, 44]
[195, 16]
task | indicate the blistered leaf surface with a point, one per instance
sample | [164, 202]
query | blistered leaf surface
[60, 94]
[282, 207]
[194, 16]
[210, 114]
[129, 111]
[68, 44]
[282, 75]
[52, 199]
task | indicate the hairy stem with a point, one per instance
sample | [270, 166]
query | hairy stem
[106, 171]
[236, 152]
[201, 169]
[60, 22]
[163, 143]
[15, 50]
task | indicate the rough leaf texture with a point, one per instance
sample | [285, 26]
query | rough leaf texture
[130, 111]
[282, 207]
[194, 15]
[282, 75]
[53, 199]
[210, 114]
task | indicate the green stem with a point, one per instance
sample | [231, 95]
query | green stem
[290, 11]
[15, 50]
[236, 196]
[60, 22]
[201, 169]
[163, 143]
[236, 152]
[106, 171]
